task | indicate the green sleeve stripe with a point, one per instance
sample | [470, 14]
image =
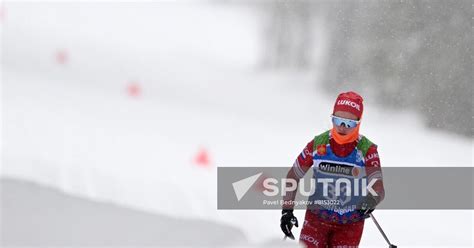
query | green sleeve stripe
[364, 145]
[321, 139]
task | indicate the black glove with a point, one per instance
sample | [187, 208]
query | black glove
[287, 221]
[367, 206]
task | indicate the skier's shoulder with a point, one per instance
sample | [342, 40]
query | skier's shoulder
[322, 138]
[365, 144]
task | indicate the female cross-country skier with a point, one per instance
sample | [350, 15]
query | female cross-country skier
[337, 220]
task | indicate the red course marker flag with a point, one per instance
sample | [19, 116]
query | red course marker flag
[134, 89]
[202, 158]
[62, 57]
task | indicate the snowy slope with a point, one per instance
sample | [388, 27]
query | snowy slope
[73, 126]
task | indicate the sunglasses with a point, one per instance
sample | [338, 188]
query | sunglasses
[343, 122]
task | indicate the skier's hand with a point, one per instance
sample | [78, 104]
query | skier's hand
[287, 221]
[367, 206]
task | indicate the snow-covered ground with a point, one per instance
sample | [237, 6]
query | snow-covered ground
[73, 126]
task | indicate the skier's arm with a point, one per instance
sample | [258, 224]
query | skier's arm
[374, 171]
[302, 164]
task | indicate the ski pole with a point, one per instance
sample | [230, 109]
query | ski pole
[382, 232]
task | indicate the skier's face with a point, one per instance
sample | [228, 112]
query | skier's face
[342, 129]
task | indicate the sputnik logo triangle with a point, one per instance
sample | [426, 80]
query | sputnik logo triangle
[242, 186]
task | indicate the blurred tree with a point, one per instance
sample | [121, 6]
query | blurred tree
[287, 34]
[409, 54]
